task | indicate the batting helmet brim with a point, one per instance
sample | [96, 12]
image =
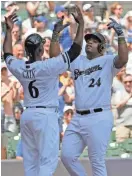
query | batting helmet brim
[98, 36]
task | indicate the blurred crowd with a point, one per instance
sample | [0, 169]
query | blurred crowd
[40, 18]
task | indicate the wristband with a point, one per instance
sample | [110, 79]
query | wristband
[55, 37]
[121, 36]
[121, 40]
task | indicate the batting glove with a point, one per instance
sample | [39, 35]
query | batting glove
[58, 27]
[117, 27]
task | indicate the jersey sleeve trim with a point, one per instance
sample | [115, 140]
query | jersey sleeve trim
[63, 58]
[6, 55]
[114, 60]
[66, 58]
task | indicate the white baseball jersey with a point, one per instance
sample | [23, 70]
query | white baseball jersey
[39, 79]
[93, 80]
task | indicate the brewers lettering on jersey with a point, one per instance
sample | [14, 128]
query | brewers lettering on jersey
[88, 71]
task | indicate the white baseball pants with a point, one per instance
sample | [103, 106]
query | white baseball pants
[92, 130]
[40, 141]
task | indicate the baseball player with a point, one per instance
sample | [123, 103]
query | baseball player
[91, 126]
[39, 122]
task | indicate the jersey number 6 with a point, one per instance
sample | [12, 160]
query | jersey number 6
[93, 83]
[33, 90]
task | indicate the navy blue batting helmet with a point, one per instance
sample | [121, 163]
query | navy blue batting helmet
[32, 42]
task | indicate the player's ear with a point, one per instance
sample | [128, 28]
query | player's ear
[101, 48]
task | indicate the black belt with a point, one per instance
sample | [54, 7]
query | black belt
[36, 107]
[88, 111]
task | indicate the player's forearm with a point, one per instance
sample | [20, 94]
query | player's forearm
[7, 46]
[122, 51]
[76, 47]
[72, 29]
[79, 35]
[54, 45]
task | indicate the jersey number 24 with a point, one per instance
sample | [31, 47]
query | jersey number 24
[93, 83]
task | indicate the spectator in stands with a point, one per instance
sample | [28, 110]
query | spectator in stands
[16, 35]
[68, 114]
[116, 10]
[124, 107]
[18, 51]
[8, 95]
[89, 18]
[41, 24]
[46, 48]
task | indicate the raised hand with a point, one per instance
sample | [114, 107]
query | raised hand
[76, 12]
[9, 20]
[58, 27]
[117, 27]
